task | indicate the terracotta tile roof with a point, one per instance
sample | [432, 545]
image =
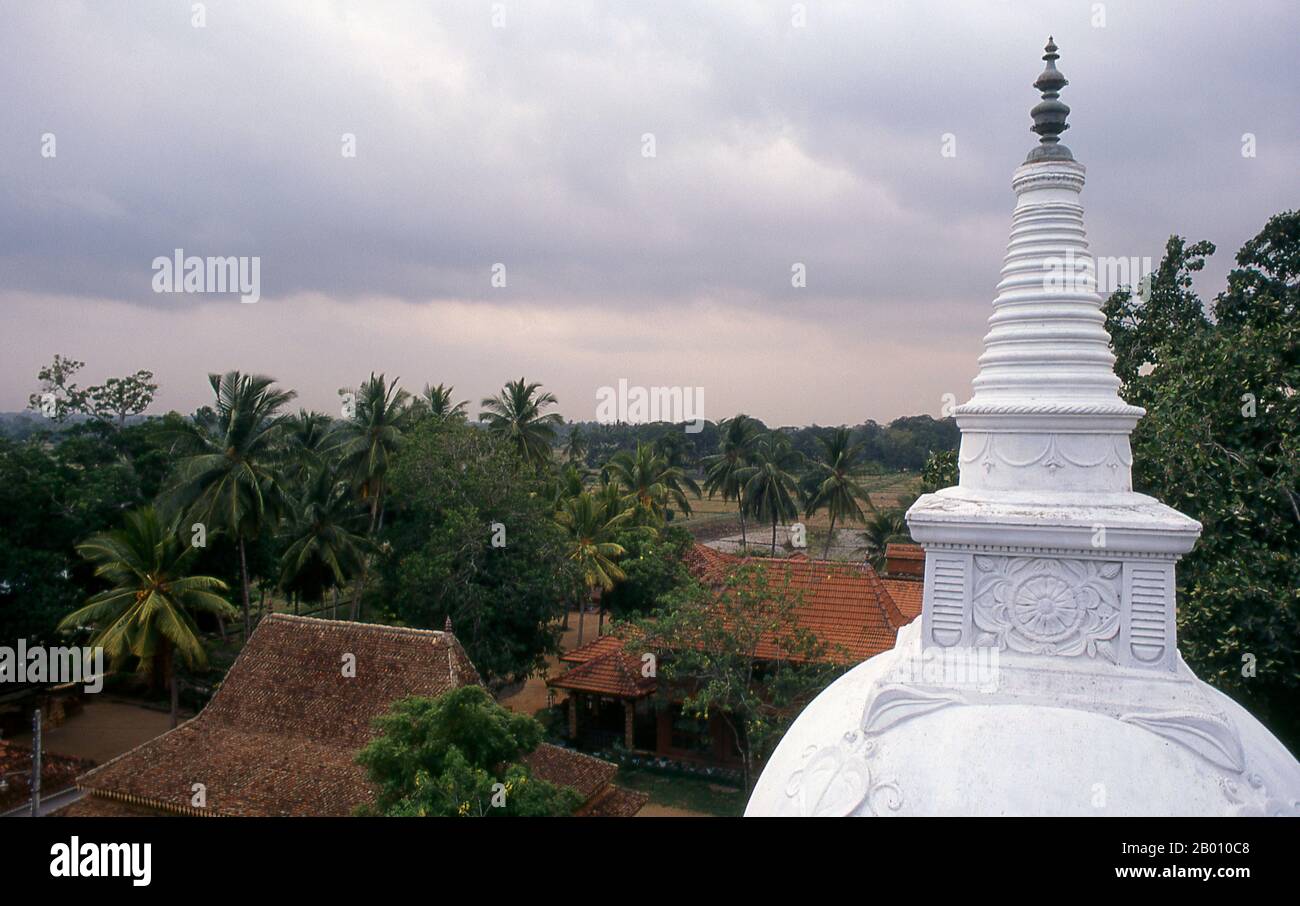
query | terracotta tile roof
[907, 595]
[281, 734]
[905, 559]
[844, 604]
[600, 645]
[58, 772]
[615, 673]
[708, 565]
[585, 773]
[617, 803]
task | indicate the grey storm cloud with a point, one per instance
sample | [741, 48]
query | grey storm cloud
[523, 145]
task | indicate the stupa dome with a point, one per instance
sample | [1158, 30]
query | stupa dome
[1043, 676]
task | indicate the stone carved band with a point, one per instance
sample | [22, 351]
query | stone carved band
[1099, 462]
[1035, 605]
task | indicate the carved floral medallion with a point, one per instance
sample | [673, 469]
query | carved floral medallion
[1047, 606]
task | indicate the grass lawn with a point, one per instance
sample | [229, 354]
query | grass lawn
[693, 794]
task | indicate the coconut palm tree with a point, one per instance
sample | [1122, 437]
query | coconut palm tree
[575, 446]
[592, 528]
[837, 491]
[651, 487]
[148, 613]
[305, 440]
[770, 487]
[367, 439]
[365, 443]
[516, 415]
[437, 400]
[567, 482]
[882, 528]
[326, 547]
[672, 446]
[722, 470]
[229, 481]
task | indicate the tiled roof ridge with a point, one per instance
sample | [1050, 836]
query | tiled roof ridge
[356, 624]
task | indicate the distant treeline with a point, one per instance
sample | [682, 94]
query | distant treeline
[905, 443]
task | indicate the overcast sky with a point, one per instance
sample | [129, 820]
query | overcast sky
[523, 145]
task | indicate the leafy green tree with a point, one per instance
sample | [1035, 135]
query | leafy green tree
[651, 487]
[458, 755]
[472, 535]
[941, 471]
[230, 481]
[1165, 306]
[1222, 405]
[652, 567]
[722, 470]
[712, 648]
[837, 490]
[516, 415]
[59, 396]
[148, 612]
[119, 398]
[1264, 287]
[52, 495]
[111, 402]
[770, 488]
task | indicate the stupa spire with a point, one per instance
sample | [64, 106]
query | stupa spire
[1049, 114]
[1046, 657]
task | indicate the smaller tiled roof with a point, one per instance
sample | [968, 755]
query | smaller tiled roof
[604, 644]
[58, 772]
[616, 673]
[845, 605]
[585, 773]
[906, 593]
[905, 559]
[617, 803]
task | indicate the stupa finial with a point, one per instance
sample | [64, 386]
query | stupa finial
[1049, 114]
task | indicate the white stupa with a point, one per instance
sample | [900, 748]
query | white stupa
[1043, 677]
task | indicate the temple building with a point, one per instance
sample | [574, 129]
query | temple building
[281, 735]
[1044, 556]
[848, 607]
